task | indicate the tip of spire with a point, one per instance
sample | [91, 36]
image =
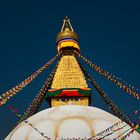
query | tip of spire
[66, 24]
[66, 18]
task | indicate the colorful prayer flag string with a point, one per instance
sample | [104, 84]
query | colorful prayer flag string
[10, 93]
[108, 129]
[117, 81]
[15, 111]
[26, 121]
[35, 104]
[121, 135]
[128, 134]
[112, 106]
[113, 131]
[42, 134]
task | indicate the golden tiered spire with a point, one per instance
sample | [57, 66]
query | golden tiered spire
[68, 74]
[69, 85]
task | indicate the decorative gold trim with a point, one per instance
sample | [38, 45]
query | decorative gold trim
[67, 44]
[67, 33]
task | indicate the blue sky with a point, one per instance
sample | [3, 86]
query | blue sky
[109, 35]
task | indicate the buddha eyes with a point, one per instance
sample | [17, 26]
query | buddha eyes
[77, 99]
[65, 99]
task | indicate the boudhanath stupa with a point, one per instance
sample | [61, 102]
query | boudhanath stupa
[70, 115]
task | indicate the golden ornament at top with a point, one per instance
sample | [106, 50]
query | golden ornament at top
[67, 31]
[67, 38]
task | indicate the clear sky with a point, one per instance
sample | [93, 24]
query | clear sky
[109, 35]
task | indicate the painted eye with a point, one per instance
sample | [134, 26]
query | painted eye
[64, 99]
[81, 98]
[72, 99]
[77, 99]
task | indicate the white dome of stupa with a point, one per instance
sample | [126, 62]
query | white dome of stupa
[68, 121]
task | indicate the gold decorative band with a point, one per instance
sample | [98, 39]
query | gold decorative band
[69, 43]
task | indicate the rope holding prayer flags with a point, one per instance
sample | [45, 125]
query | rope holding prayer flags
[115, 109]
[109, 129]
[107, 100]
[117, 81]
[100, 136]
[15, 111]
[112, 106]
[10, 93]
[113, 131]
[34, 106]
[42, 134]
[121, 135]
[128, 134]
[130, 131]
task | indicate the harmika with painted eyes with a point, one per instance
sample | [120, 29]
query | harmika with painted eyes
[69, 101]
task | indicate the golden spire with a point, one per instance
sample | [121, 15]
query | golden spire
[68, 74]
[67, 38]
[69, 85]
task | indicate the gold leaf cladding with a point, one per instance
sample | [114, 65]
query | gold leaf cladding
[68, 74]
